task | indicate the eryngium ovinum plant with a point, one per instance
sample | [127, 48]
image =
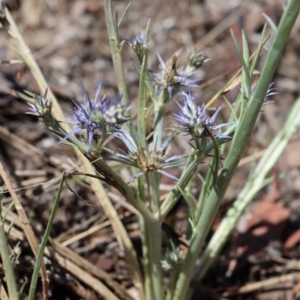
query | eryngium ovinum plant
[146, 155]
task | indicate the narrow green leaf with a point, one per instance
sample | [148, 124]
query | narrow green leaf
[246, 79]
[191, 204]
[246, 75]
[40, 254]
[7, 265]
[258, 50]
[148, 83]
[123, 14]
[142, 99]
[270, 22]
[148, 31]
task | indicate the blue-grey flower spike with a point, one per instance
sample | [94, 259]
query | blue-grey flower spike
[139, 45]
[41, 107]
[171, 78]
[193, 119]
[103, 116]
[146, 158]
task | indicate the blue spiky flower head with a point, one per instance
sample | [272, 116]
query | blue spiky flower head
[147, 157]
[42, 108]
[101, 116]
[193, 119]
[139, 45]
[172, 78]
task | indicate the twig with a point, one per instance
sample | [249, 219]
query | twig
[27, 229]
[264, 284]
[3, 294]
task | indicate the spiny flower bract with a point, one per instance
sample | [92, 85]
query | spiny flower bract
[139, 45]
[196, 59]
[97, 115]
[171, 78]
[147, 158]
[41, 107]
[270, 92]
[193, 119]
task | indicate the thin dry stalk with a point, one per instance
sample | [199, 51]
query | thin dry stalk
[85, 233]
[73, 257]
[34, 245]
[93, 270]
[84, 276]
[3, 294]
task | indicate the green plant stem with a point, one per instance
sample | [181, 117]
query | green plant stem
[141, 120]
[173, 196]
[152, 243]
[43, 244]
[204, 194]
[210, 178]
[172, 283]
[159, 108]
[153, 240]
[149, 86]
[153, 180]
[145, 260]
[116, 181]
[238, 145]
[114, 42]
[7, 265]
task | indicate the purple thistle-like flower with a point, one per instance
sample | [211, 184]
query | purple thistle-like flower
[138, 42]
[42, 106]
[139, 45]
[147, 158]
[193, 119]
[171, 79]
[97, 115]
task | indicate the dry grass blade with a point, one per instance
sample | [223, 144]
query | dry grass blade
[27, 228]
[84, 276]
[85, 233]
[266, 284]
[3, 294]
[28, 149]
[72, 257]
[71, 231]
[93, 270]
[32, 11]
